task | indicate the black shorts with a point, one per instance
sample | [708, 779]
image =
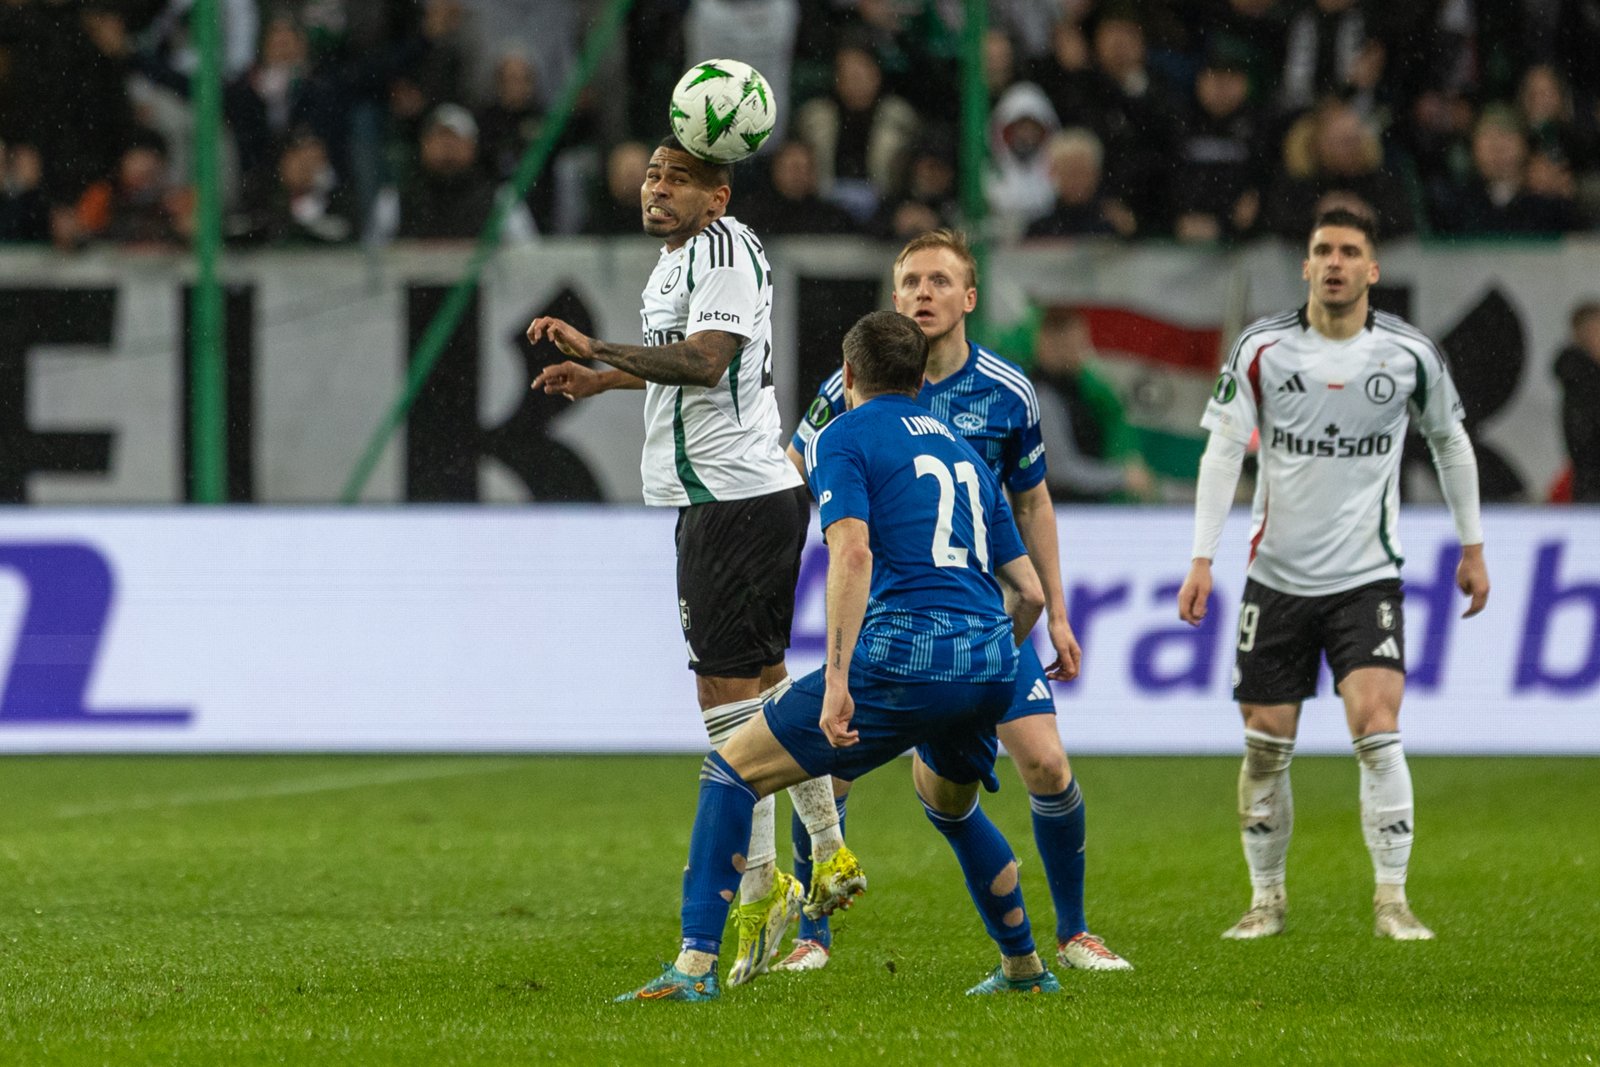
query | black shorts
[1281, 637]
[738, 562]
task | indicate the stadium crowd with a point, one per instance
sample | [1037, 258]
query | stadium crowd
[385, 118]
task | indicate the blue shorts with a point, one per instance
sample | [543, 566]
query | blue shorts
[950, 724]
[1032, 695]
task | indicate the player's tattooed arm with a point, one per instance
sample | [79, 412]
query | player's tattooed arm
[699, 359]
[849, 579]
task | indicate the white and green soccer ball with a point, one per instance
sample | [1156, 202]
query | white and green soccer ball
[722, 110]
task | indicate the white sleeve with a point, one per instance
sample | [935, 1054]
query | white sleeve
[1213, 492]
[727, 289]
[1457, 465]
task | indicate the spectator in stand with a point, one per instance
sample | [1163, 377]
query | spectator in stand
[1564, 142]
[1093, 453]
[283, 92]
[1577, 370]
[860, 135]
[999, 63]
[931, 200]
[511, 123]
[24, 211]
[66, 90]
[1080, 210]
[1066, 72]
[618, 212]
[1134, 119]
[1221, 160]
[309, 205]
[450, 197]
[141, 205]
[1497, 198]
[1333, 150]
[1254, 30]
[1017, 183]
[544, 32]
[792, 205]
[1329, 52]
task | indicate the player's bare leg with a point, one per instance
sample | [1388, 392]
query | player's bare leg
[1372, 698]
[1266, 815]
[1034, 742]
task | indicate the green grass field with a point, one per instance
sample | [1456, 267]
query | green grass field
[456, 910]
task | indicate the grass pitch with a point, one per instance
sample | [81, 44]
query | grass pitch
[477, 910]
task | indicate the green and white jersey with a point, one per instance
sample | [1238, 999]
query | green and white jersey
[723, 442]
[1332, 418]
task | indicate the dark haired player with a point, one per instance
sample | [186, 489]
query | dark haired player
[1330, 388]
[713, 449]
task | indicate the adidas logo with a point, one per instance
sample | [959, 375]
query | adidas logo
[1040, 690]
[1293, 385]
[1389, 648]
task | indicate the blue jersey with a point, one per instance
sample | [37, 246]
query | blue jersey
[938, 526]
[989, 401]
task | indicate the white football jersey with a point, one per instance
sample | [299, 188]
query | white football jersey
[723, 442]
[1332, 418]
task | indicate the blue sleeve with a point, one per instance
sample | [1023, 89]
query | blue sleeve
[1024, 453]
[836, 473]
[1005, 542]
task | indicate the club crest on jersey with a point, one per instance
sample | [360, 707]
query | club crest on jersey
[1385, 615]
[1225, 389]
[819, 413]
[672, 279]
[968, 421]
[1380, 388]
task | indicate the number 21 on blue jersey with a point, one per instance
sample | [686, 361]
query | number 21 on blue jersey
[946, 554]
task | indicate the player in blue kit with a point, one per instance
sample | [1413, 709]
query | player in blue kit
[991, 404]
[929, 592]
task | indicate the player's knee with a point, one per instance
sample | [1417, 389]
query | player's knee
[1265, 755]
[1044, 774]
[1005, 883]
[1374, 717]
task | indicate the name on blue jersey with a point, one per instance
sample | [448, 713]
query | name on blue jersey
[919, 425]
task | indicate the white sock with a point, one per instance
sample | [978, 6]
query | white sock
[813, 801]
[695, 964]
[1266, 813]
[761, 861]
[724, 719]
[1387, 820]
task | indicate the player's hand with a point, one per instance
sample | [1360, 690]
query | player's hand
[1195, 593]
[838, 708]
[573, 343]
[1069, 657]
[571, 380]
[1472, 578]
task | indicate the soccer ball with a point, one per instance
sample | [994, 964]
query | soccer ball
[722, 110]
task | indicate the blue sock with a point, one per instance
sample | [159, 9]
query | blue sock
[983, 853]
[721, 831]
[1058, 831]
[811, 929]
